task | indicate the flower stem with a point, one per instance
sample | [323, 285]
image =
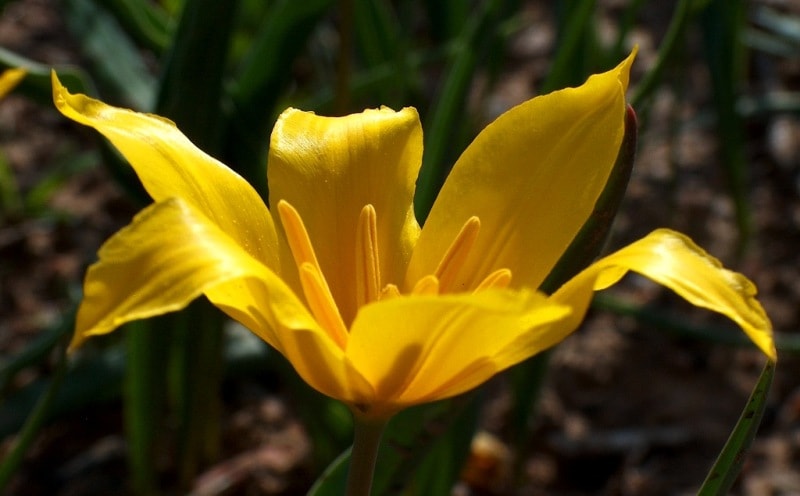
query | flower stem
[366, 441]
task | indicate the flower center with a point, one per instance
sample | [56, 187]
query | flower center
[368, 284]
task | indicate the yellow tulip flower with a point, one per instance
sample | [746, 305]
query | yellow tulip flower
[338, 276]
[9, 79]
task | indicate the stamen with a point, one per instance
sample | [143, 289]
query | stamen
[428, 285]
[456, 255]
[498, 279]
[317, 292]
[390, 291]
[368, 277]
[296, 235]
[320, 301]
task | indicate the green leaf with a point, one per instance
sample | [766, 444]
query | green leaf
[191, 84]
[430, 441]
[722, 23]
[117, 64]
[446, 118]
[36, 84]
[333, 481]
[262, 78]
[569, 65]
[35, 420]
[729, 462]
[145, 22]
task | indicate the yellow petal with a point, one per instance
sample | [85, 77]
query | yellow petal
[169, 165]
[532, 177]
[9, 79]
[674, 261]
[171, 254]
[270, 310]
[329, 169]
[423, 348]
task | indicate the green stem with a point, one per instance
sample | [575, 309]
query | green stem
[366, 441]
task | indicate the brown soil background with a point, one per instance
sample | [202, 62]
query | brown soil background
[627, 410]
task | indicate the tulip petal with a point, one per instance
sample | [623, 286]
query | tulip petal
[329, 169]
[532, 177]
[171, 254]
[674, 261]
[276, 315]
[424, 348]
[169, 165]
[9, 79]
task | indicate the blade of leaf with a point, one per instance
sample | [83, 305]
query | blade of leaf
[117, 63]
[260, 81]
[675, 34]
[785, 342]
[144, 398]
[722, 23]
[145, 22]
[333, 481]
[569, 65]
[36, 84]
[447, 115]
[729, 462]
[429, 441]
[190, 87]
[36, 419]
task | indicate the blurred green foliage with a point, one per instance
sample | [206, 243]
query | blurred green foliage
[223, 71]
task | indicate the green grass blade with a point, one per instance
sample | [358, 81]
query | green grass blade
[447, 18]
[35, 421]
[722, 23]
[785, 342]
[333, 481]
[569, 64]
[197, 366]
[382, 42]
[261, 79]
[144, 398]
[116, 61]
[446, 118]
[145, 22]
[430, 441]
[36, 352]
[729, 462]
[377, 33]
[36, 84]
[672, 40]
[190, 88]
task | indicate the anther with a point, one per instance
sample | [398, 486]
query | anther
[296, 235]
[321, 303]
[457, 254]
[315, 288]
[368, 277]
[428, 285]
[498, 279]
